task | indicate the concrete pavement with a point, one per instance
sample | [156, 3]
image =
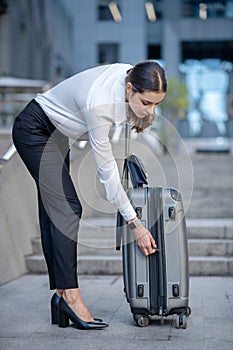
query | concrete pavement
[25, 317]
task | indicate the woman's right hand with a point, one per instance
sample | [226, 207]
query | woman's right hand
[144, 240]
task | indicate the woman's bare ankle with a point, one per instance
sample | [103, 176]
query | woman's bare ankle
[72, 295]
[59, 292]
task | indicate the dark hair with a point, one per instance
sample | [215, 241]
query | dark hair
[145, 76]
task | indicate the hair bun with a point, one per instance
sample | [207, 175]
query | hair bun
[129, 71]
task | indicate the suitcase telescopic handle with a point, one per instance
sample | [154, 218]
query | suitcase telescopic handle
[125, 173]
[125, 183]
[133, 167]
[127, 139]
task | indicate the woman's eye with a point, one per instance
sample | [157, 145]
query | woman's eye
[145, 103]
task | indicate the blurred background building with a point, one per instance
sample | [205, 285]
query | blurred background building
[36, 39]
[193, 39]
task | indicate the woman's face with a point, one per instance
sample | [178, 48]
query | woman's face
[143, 104]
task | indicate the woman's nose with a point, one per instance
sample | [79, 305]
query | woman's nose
[151, 110]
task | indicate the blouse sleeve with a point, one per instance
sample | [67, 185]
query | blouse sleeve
[107, 167]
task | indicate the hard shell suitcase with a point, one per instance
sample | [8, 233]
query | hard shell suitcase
[157, 284]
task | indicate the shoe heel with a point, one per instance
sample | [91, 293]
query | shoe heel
[54, 314]
[63, 320]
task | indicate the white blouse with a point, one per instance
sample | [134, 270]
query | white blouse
[92, 101]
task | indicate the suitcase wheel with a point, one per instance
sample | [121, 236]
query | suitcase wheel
[141, 320]
[188, 311]
[181, 321]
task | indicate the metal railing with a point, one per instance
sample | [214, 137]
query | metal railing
[7, 155]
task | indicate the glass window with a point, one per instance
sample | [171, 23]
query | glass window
[207, 49]
[205, 9]
[154, 10]
[153, 52]
[108, 53]
[108, 10]
[3, 7]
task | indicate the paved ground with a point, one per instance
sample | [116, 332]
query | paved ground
[25, 318]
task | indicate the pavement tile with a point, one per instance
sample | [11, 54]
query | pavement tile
[25, 318]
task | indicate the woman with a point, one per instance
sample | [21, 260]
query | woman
[91, 101]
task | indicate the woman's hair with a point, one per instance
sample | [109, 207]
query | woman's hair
[145, 76]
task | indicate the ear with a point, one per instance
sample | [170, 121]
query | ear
[128, 87]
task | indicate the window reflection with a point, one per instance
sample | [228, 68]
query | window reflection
[205, 9]
[207, 81]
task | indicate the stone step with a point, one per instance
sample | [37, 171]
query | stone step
[108, 265]
[93, 228]
[85, 247]
[88, 264]
[210, 228]
[210, 247]
[197, 247]
[214, 203]
[211, 266]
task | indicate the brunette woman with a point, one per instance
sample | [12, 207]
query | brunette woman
[91, 101]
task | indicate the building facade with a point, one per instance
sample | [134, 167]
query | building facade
[48, 38]
[180, 30]
[193, 39]
[36, 39]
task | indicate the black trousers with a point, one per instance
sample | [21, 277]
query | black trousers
[45, 152]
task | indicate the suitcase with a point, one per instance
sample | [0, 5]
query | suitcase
[157, 284]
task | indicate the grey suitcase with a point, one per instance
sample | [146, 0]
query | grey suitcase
[157, 284]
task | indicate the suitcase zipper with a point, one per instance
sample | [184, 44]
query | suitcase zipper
[160, 273]
[153, 258]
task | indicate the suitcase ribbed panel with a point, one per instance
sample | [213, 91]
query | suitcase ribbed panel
[176, 246]
[135, 264]
[160, 281]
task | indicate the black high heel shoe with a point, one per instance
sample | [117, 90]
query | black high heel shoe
[66, 314]
[54, 309]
